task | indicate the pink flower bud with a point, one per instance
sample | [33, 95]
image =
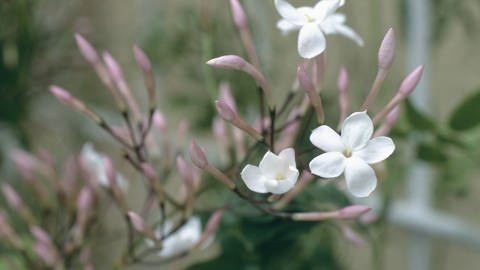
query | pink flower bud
[12, 197]
[392, 116]
[113, 67]
[386, 53]
[149, 171]
[352, 236]
[411, 81]
[84, 206]
[343, 80]
[110, 171]
[66, 98]
[185, 171]
[225, 94]
[304, 80]
[25, 163]
[211, 227]
[159, 120]
[232, 62]
[137, 221]
[41, 235]
[142, 60]
[46, 254]
[316, 216]
[219, 130]
[225, 111]
[86, 49]
[353, 211]
[198, 155]
[238, 13]
[61, 94]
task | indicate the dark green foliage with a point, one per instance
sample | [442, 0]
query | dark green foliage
[467, 114]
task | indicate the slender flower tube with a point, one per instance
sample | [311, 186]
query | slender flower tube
[342, 85]
[352, 153]
[312, 94]
[146, 67]
[276, 174]
[314, 23]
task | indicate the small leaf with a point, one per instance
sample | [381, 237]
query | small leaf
[418, 119]
[467, 114]
[431, 153]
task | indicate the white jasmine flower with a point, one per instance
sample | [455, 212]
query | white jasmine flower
[94, 163]
[275, 174]
[314, 23]
[182, 240]
[352, 152]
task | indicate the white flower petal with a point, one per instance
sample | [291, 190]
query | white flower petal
[286, 26]
[311, 41]
[324, 8]
[282, 186]
[271, 163]
[328, 165]
[357, 129]
[360, 177]
[376, 150]
[327, 139]
[183, 239]
[349, 33]
[329, 25]
[289, 13]
[288, 155]
[253, 179]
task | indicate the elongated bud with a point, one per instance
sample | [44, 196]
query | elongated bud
[234, 62]
[211, 227]
[66, 98]
[353, 211]
[316, 216]
[137, 221]
[411, 81]
[238, 13]
[198, 155]
[146, 67]
[390, 120]
[225, 94]
[225, 111]
[185, 171]
[85, 206]
[312, 94]
[229, 62]
[343, 80]
[44, 247]
[406, 88]
[12, 197]
[159, 120]
[386, 53]
[25, 163]
[86, 49]
[113, 182]
[352, 236]
[113, 67]
[41, 235]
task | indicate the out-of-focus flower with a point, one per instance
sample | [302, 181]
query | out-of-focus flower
[314, 23]
[352, 152]
[181, 240]
[95, 164]
[275, 174]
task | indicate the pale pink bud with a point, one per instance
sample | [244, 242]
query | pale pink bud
[343, 80]
[353, 211]
[219, 130]
[316, 216]
[352, 236]
[137, 221]
[232, 62]
[225, 94]
[86, 49]
[185, 171]
[198, 155]
[110, 171]
[386, 53]
[304, 80]
[211, 227]
[142, 60]
[12, 197]
[25, 163]
[41, 235]
[113, 67]
[159, 120]
[61, 94]
[149, 171]
[238, 13]
[225, 111]
[46, 254]
[411, 81]
[84, 204]
[65, 97]
[392, 116]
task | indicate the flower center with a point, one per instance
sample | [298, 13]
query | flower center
[309, 18]
[279, 177]
[347, 152]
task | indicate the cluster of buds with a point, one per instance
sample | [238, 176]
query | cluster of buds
[166, 223]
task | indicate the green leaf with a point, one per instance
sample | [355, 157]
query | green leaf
[431, 153]
[417, 119]
[467, 114]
